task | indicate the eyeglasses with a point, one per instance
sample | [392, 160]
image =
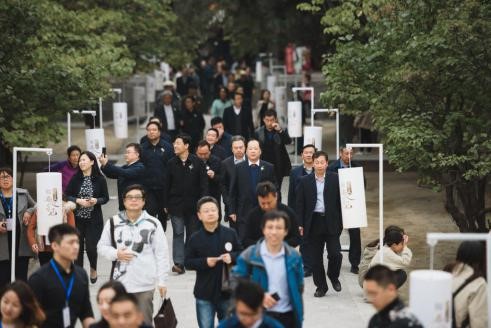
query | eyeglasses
[133, 197]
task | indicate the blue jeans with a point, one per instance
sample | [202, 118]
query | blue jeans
[205, 311]
[181, 225]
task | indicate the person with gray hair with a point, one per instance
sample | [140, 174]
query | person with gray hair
[169, 115]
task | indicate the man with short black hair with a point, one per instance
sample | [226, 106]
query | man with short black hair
[187, 182]
[249, 311]
[224, 138]
[130, 173]
[213, 170]
[125, 312]
[380, 285]
[168, 114]
[61, 287]
[237, 120]
[211, 137]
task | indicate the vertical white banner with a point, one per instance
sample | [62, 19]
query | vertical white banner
[259, 71]
[295, 119]
[430, 297]
[94, 141]
[49, 201]
[313, 135]
[164, 67]
[280, 100]
[139, 101]
[120, 118]
[159, 80]
[150, 88]
[270, 84]
[352, 193]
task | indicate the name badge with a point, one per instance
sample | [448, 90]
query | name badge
[66, 317]
[10, 223]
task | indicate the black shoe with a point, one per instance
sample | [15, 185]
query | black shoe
[336, 285]
[178, 268]
[307, 273]
[354, 269]
[319, 292]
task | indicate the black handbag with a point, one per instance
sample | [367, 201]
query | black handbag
[166, 317]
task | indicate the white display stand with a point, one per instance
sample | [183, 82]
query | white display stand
[352, 193]
[295, 119]
[433, 307]
[270, 84]
[120, 117]
[94, 141]
[259, 71]
[313, 135]
[280, 101]
[49, 201]
[159, 80]
[150, 88]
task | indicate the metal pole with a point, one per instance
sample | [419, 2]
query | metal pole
[100, 112]
[48, 151]
[337, 132]
[69, 128]
[381, 190]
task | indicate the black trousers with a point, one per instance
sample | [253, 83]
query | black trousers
[90, 232]
[319, 239]
[154, 205]
[306, 256]
[287, 319]
[354, 254]
[21, 266]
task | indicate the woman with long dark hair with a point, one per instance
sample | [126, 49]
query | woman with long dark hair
[105, 295]
[19, 307]
[88, 189]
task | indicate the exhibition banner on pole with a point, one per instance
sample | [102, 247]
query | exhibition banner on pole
[295, 119]
[94, 141]
[313, 135]
[280, 100]
[49, 201]
[270, 84]
[352, 193]
[120, 118]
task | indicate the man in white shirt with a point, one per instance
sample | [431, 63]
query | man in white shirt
[168, 115]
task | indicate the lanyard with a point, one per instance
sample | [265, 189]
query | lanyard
[8, 205]
[68, 291]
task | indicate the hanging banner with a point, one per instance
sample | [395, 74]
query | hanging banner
[94, 141]
[259, 71]
[280, 100]
[295, 119]
[313, 135]
[120, 118]
[164, 67]
[139, 101]
[352, 193]
[432, 308]
[270, 84]
[150, 88]
[159, 80]
[49, 201]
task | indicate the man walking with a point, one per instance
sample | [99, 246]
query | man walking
[224, 138]
[136, 243]
[237, 120]
[319, 217]
[212, 138]
[169, 115]
[210, 252]
[213, 170]
[130, 173]
[187, 182]
[273, 140]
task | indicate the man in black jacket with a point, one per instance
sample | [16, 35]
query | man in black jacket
[224, 138]
[187, 182]
[210, 252]
[169, 115]
[130, 173]
[267, 197]
[156, 152]
[213, 170]
[212, 138]
[273, 140]
[244, 182]
[319, 217]
[237, 120]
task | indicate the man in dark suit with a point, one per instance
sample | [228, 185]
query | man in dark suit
[169, 115]
[224, 138]
[354, 255]
[319, 216]
[244, 182]
[211, 138]
[295, 175]
[228, 169]
[213, 170]
[237, 120]
[273, 140]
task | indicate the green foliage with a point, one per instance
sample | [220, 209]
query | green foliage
[422, 68]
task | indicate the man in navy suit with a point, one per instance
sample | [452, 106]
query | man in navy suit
[354, 254]
[295, 175]
[319, 217]
[244, 182]
[224, 138]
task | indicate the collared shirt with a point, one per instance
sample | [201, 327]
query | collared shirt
[237, 110]
[237, 161]
[169, 115]
[275, 265]
[319, 204]
[251, 163]
[308, 171]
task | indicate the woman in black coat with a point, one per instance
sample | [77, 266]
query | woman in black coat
[88, 189]
[193, 122]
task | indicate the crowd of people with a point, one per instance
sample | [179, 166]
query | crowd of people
[251, 255]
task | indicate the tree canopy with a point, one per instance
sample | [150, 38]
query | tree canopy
[422, 69]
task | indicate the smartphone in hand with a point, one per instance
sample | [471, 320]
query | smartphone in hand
[276, 297]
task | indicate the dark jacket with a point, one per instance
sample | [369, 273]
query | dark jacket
[160, 113]
[127, 175]
[204, 244]
[193, 124]
[233, 322]
[274, 150]
[242, 192]
[155, 158]
[163, 136]
[246, 126]
[219, 152]
[394, 315]
[307, 197]
[214, 164]
[295, 176]
[227, 172]
[253, 226]
[100, 192]
[186, 184]
[226, 142]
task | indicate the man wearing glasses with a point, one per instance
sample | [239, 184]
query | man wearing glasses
[136, 243]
